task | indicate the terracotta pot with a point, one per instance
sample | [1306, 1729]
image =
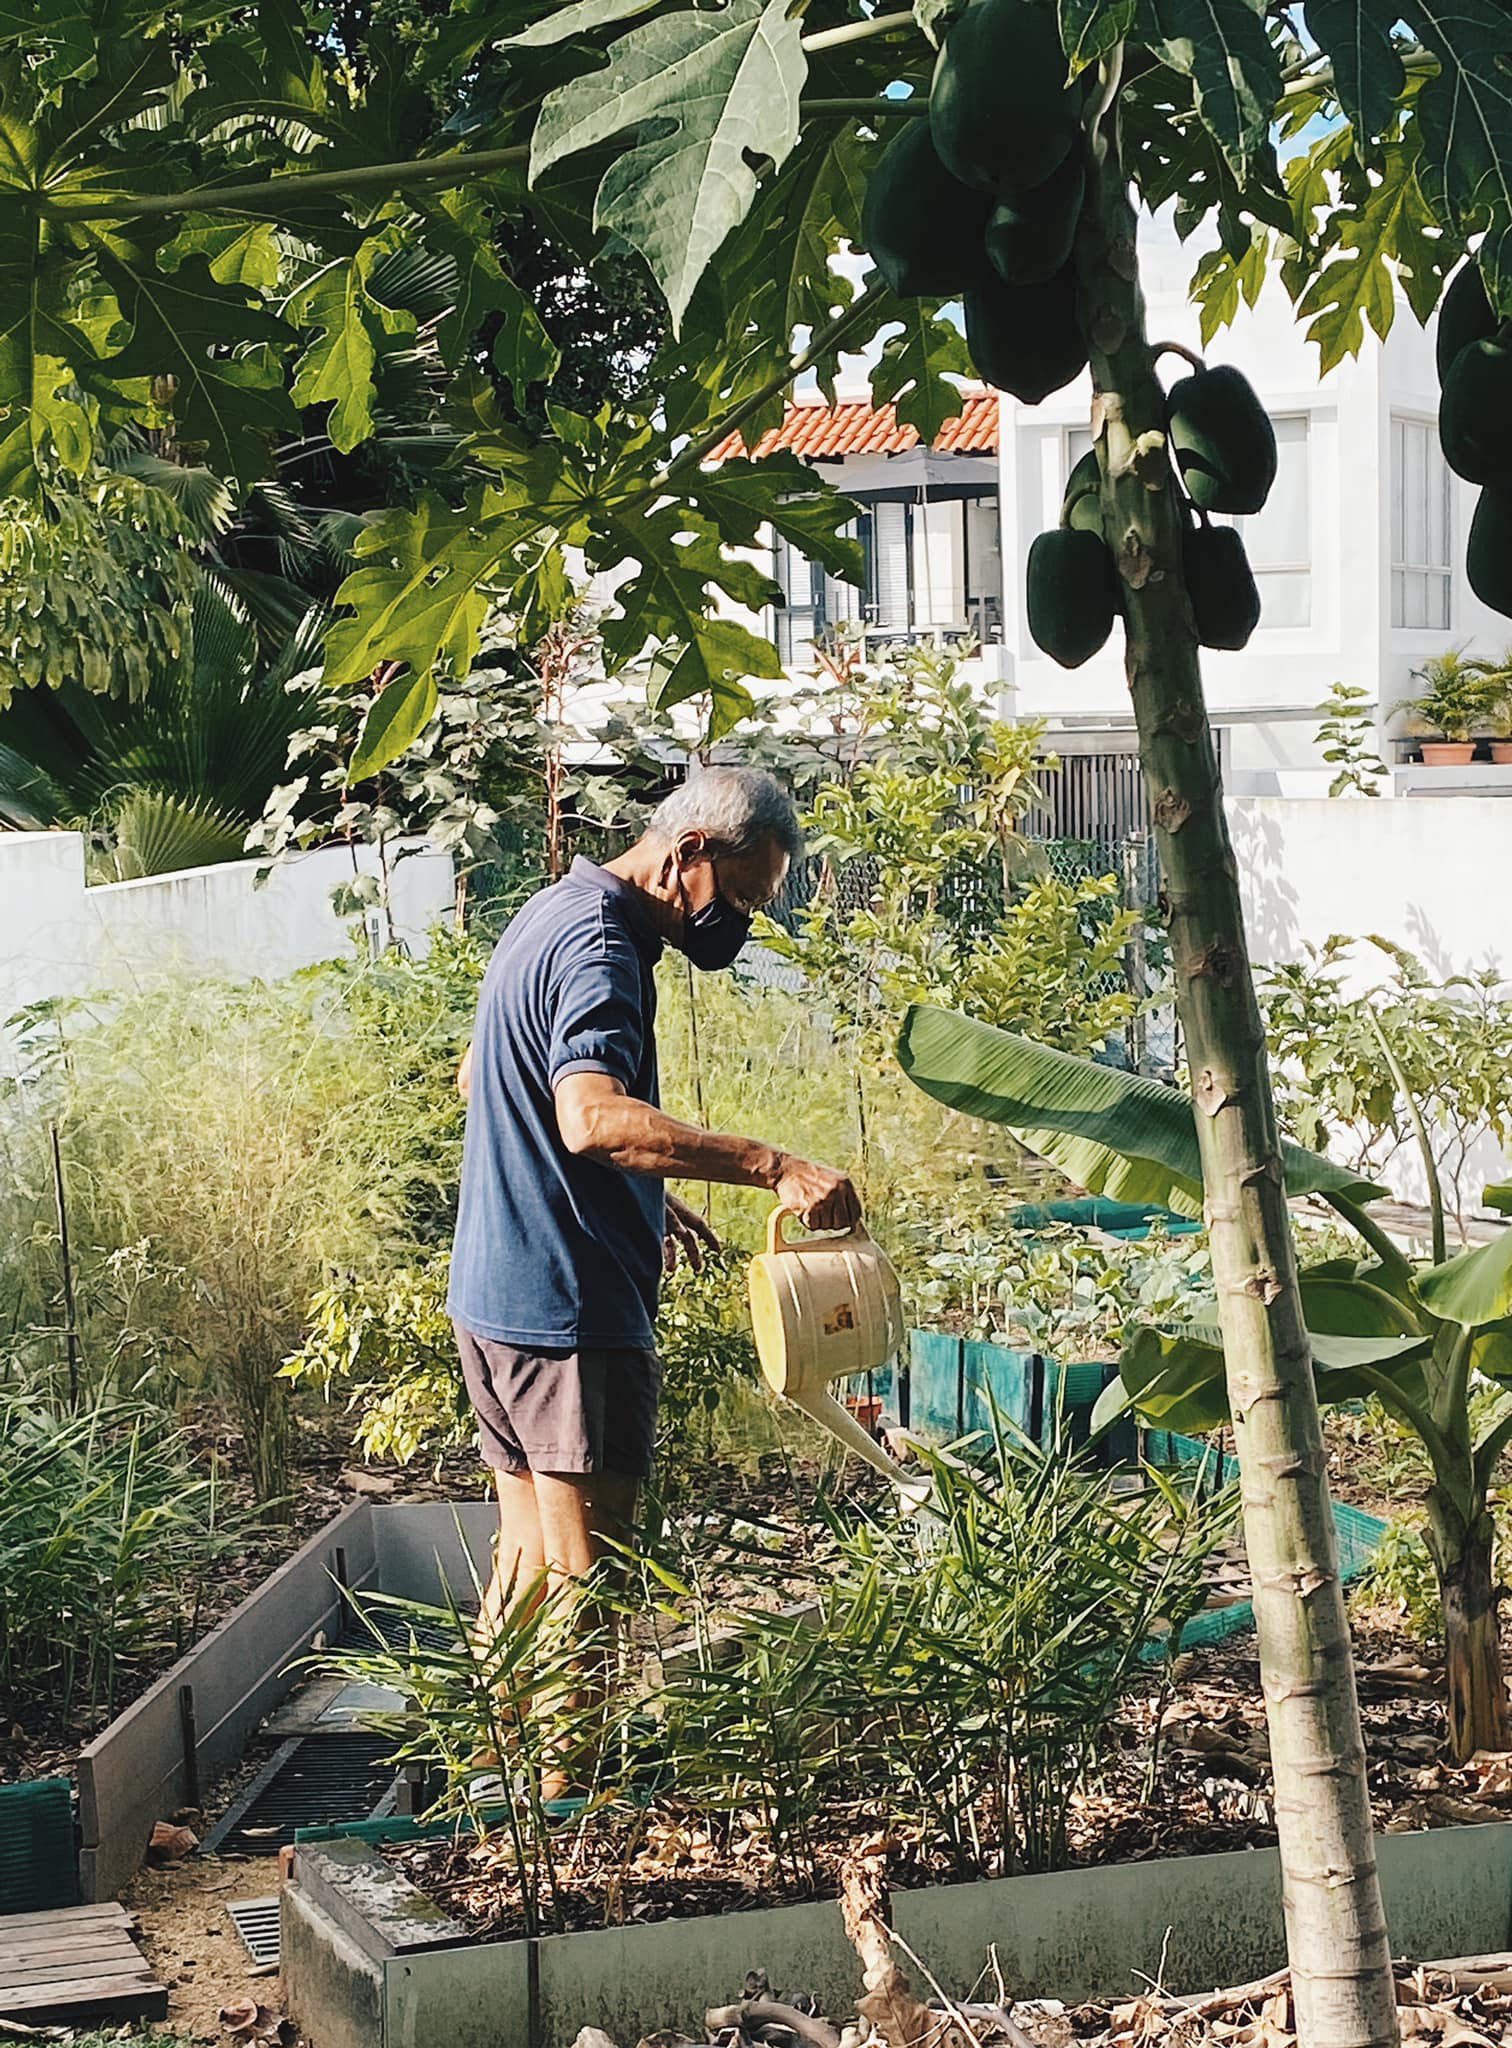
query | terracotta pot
[1448, 753]
[1501, 753]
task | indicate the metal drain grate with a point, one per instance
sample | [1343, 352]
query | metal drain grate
[304, 1783]
[397, 1630]
[256, 1921]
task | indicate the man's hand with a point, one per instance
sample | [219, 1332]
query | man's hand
[817, 1195]
[688, 1232]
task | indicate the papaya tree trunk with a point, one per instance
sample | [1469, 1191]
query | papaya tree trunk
[1335, 1927]
[1464, 1562]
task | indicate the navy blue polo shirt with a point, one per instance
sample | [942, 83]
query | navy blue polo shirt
[552, 1250]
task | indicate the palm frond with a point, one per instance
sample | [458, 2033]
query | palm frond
[156, 832]
[205, 502]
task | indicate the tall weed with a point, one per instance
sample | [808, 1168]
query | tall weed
[108, 1540]
[226, 1150]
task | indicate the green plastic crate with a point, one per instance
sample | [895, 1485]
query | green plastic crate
[39, 1863]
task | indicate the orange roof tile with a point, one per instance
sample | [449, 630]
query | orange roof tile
[823, 433]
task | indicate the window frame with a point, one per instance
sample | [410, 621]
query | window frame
[1442, 572]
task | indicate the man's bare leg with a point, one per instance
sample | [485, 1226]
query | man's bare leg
[519, 1553]
[575, 1513]
[518, 1558]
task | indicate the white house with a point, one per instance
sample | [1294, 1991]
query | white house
[1359, 552]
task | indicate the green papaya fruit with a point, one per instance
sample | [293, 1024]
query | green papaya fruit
[1222, 440]
[1465, 315]
[1081, 504]
[1000, 111]
[1225, 598]
[1475, 412]
[921, 227]
[1025, 338]
[1029, 236]
[1488, 557]
[1071, 584]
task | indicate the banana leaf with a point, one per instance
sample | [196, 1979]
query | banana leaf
[1175, 1378]
[1113, 1133]
[1474, 1288]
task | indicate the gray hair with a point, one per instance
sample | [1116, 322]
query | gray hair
[736, 809]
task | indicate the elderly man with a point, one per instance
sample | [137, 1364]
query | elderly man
[563, 1216]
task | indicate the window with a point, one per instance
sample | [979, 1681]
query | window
[815, 600]
[1278, 538]
[1421, 554]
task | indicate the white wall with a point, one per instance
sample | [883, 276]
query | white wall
[59, 938]
[1425, 872]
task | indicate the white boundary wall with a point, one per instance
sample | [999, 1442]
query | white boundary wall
[59, 938]
[1429, 873]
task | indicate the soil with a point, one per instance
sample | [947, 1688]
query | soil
[1211, 1792]
[189, 1939]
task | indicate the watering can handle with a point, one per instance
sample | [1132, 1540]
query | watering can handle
[776, 1242]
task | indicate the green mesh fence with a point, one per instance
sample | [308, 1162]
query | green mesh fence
[39, 1865]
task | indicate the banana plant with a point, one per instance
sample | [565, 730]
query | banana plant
[1414, 1334]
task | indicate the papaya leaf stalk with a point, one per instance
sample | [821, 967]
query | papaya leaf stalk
[1336, 1929]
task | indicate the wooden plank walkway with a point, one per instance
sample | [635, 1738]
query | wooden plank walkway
[76, 1962]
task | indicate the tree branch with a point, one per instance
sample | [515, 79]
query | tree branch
[267, 195]
[859, 31]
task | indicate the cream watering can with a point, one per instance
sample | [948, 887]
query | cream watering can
[823, 1308]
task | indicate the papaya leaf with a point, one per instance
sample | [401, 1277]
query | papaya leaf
[1498, 1196]
[353, 329]
[712, 665]
[1465, 114]
[1091, 28]
[401, 712]
[1475, 1288]
[559, 23]
[1368, 74]
[707, 92]
[1114, 1133]
[522, 350]
[914, 369]
[1221, 283]
[781, 491]
[241, 252]
[421, 588]
[1382, 237]
[1235, 69]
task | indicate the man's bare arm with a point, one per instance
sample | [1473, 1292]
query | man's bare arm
[464, 1074]
[598, 1120]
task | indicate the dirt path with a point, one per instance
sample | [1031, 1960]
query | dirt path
[191, 1943]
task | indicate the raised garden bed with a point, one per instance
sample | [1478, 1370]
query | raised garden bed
[370, 1962]
[194, 1724]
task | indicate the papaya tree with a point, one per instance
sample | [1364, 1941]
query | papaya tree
[198, 202]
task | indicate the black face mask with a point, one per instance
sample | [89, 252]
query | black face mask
[712, 937]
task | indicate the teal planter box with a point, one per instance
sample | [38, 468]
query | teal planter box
[954, 1383]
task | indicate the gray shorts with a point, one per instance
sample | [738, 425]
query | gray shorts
[562, 1411]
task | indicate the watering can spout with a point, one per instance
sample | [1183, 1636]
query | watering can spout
[823, 1309]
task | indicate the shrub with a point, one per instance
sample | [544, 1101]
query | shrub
[386, 1348]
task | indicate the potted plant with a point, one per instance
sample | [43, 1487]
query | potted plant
[1497, 721]
[1453, 707]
